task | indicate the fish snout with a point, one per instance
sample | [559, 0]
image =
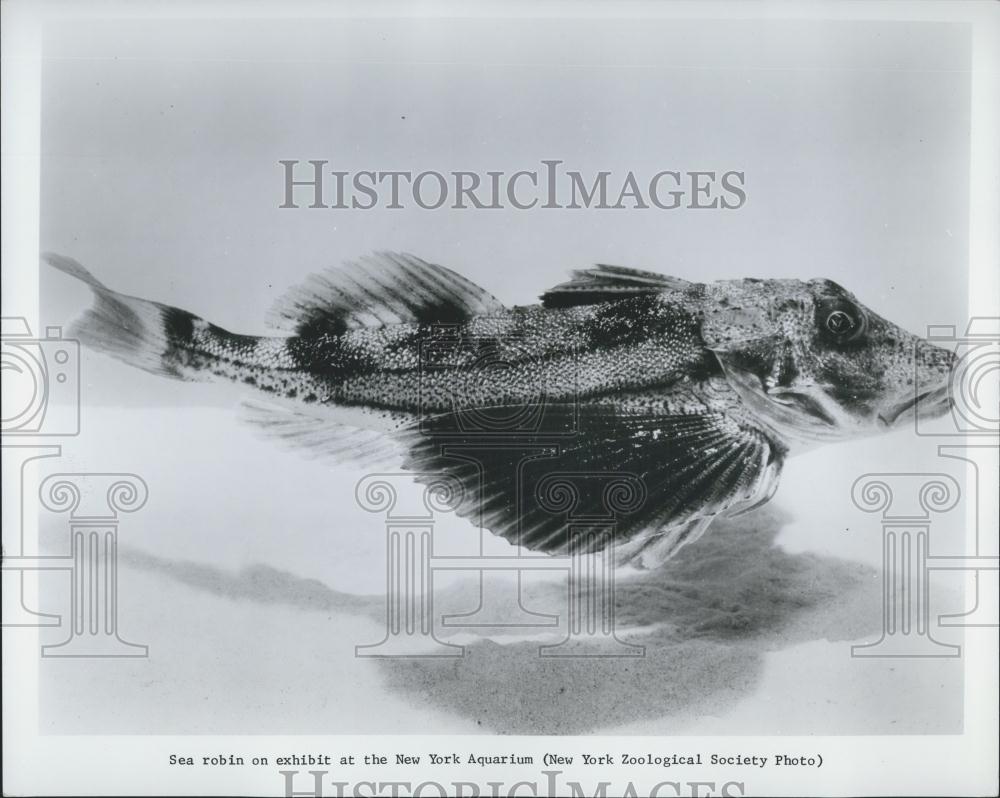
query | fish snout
[930, 394]
[934, 364]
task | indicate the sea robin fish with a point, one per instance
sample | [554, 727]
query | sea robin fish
[699, 390]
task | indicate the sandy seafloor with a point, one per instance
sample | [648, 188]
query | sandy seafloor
[251, 574]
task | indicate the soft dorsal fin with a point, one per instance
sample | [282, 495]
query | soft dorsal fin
[604, 283]
[383, 288]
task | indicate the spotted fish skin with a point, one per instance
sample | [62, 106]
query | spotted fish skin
[701, 390]
[574, 353]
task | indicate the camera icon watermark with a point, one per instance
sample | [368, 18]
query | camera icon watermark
[974, 381]
[41, 399]
[41, 379]
[907, 501]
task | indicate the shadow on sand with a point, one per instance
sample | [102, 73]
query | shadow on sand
[706, 619]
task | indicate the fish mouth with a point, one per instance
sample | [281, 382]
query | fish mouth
[931, 403]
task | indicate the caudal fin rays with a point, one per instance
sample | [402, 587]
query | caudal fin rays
[131, 329]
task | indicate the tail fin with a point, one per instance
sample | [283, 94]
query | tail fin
[133, 330]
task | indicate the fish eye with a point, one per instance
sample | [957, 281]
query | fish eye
[841, 321]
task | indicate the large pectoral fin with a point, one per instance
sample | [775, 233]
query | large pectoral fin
[692, 468]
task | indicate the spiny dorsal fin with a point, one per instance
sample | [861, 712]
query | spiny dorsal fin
[605, 283]
[383, 288]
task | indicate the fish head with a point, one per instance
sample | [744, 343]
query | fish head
[814, 364]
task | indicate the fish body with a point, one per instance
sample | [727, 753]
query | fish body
[698, 390]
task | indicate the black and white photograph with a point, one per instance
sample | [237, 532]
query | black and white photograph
[501, 399]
